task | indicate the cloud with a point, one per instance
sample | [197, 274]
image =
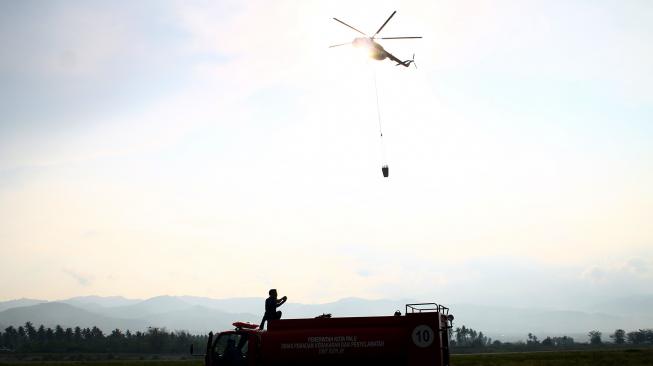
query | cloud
[632, 276]
[82, 280]
[496, 280]
[639, 266]
[594, 274]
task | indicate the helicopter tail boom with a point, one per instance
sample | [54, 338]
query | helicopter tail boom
[407, 63]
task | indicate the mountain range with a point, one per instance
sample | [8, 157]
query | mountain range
[202, 314]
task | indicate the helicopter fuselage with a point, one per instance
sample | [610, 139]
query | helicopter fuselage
[376, 51]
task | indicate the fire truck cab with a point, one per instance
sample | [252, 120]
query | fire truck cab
[418, 337]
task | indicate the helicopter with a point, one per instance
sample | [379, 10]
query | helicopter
[376, 51]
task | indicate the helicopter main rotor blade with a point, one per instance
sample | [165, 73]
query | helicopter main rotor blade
[386, 22]
[347, 25]
[398, 37]
[338, 45]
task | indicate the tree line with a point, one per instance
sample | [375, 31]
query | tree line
[28, 338]
[462, 338]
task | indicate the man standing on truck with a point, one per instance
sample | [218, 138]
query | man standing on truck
[271, 305]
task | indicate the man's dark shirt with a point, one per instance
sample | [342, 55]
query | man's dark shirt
[270, 305]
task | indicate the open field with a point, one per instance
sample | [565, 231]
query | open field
[621, 357]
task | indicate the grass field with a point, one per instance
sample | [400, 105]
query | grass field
[622, 357]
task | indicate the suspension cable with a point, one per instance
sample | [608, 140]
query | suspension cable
[378, 114]
[378, 107]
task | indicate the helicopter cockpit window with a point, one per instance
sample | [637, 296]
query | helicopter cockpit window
[231, 348]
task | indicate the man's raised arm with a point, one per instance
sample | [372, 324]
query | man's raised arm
[282, 300]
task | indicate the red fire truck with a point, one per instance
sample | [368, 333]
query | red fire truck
[419, 337]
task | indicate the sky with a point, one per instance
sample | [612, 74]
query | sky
[220, 148]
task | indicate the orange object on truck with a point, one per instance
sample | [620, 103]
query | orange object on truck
[419, 337]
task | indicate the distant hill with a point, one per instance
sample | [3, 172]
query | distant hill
[155, 305]
[163, 312]
[251, 305]
[199, 319]
[506, 323]
[202, 314]
[635, 305]
[4, 305]
[56, 313]
[100, 301]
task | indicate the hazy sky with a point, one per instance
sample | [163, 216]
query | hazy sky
[219, 148]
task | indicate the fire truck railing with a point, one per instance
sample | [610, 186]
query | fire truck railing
[432, 307]
[426, 307]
